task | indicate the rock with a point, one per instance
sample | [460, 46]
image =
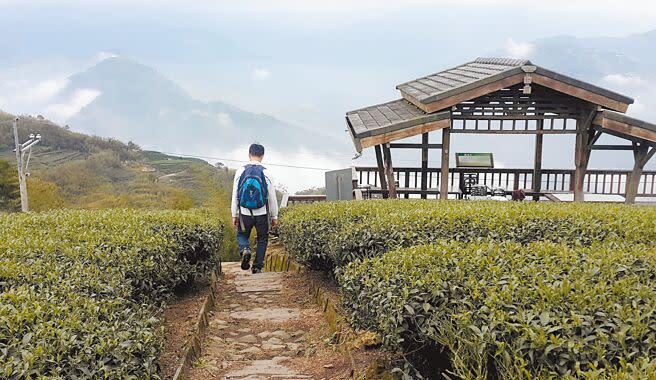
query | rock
[244, 330]
[270, 314]
[298, 333]
[250, 350]
[275, 341]
[250, 338]
[264, 334]
[293, 346]
[281, 334]
[272, 347]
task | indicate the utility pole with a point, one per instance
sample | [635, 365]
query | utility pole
[22, 164]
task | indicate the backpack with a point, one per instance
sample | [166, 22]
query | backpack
[252, 192]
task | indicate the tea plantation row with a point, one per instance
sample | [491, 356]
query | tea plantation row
[80, 291]
[493, 290]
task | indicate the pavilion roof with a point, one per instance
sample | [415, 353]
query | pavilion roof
[426, 102]
[483, 71]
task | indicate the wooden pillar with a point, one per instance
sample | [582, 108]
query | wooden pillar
[444, 175]
[389, 171]
[537, 162]
[424, 165]
[642, 154]
[381, 171]
[582, 154]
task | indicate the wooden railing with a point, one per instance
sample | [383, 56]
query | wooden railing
[612, 182]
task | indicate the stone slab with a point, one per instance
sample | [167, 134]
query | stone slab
[274, 314]
[265, 369]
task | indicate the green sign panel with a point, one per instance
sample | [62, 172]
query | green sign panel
[474, 160]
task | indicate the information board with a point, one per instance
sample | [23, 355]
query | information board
[474, 160]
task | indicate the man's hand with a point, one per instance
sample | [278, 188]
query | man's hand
[274, 222]
[235, 221]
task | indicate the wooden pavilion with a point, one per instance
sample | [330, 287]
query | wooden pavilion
[502, 96]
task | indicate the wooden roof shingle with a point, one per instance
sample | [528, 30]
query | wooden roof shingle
[461, 78]
[483, 71]
[387, 118]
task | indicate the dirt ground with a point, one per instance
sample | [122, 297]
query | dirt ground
[180, 319]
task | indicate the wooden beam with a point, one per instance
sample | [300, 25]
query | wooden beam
[414, 146]
[642, 154]
[593, 136]
[611, 147]
[403, 133]
[542, 80]
[381, 170]
[537, 161]
[424, 163]
[444, 169]
[389, 171]
[464, 96]
[624, 128]
[580, 93]
[552, 197]
[582, 154]
[516, 132]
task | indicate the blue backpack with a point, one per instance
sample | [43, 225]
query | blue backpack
[252, 192]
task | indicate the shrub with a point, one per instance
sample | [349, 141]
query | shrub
[325, 235]
[513, 311]
[80, 290]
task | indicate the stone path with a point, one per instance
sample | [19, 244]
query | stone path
[255, 331]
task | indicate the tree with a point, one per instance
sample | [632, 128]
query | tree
[9, 192]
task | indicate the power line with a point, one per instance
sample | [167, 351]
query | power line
[244, 161]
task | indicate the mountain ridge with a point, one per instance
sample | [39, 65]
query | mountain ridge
[135, 102]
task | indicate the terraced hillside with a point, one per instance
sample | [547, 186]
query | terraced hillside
[93, 172]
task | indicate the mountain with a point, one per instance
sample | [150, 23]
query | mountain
[623, 64]
[84, 171]
[594, 58]
[131, 101]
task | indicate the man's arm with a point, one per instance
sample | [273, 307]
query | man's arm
[234, 207]
[273, 201]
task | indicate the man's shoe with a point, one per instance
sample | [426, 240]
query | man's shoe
[246, 259]
[257, 270]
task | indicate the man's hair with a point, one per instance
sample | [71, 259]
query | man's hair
[256, 150]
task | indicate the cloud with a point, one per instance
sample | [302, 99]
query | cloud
[80, 99]
[224, 120]
[260, 74]
[103, 55]
[623, 80]
[517, 49]
[45, 90]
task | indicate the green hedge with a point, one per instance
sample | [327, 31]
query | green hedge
[80, 291]
[514, 311]
[326, 235]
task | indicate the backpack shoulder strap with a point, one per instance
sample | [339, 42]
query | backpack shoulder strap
[242, 177]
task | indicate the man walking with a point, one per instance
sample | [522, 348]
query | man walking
[254, 204]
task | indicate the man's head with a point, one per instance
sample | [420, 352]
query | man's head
[256, 152]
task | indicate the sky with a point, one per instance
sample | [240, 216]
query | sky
[306, 62]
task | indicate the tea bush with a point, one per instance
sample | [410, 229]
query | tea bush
[325, 235]
[80, 291]
[514, 311]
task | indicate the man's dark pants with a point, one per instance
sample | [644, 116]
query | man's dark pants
[261, 224]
